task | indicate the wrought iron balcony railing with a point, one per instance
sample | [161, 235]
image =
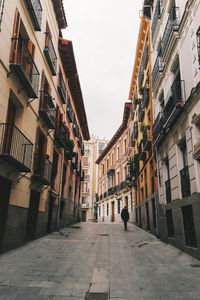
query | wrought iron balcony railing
[47, 110]
[110, 191]
[146, 96]
[15, 147]
[62, 89]
[185, 182]
[158, 67]
[145, 56]
[156, 17]
[140, 113]
[105, 194]
[35, 11]
[171, 26]
[141, 75]
[147, 139]
[42, 168]
[135, 130]
[50, 54]
[175, 102]
[122, 185]
[168, 191]
[158, 126]
[76, 129]
[61, 135]
[70, 112]
[22, 64]
[141, 152]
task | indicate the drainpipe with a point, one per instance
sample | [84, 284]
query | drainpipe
[59, 193]
[158, 212]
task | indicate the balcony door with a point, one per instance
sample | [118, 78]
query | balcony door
[40, 153]
[8, 130]
[32, 215]
[5, 188]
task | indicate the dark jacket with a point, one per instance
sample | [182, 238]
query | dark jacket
[125, 214]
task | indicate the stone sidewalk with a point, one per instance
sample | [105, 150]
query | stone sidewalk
[101, 261]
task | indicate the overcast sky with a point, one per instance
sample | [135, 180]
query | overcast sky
[104, 35]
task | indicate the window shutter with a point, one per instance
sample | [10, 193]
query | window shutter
[15, 36]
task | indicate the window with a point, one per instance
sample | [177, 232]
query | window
[107, 209]
[125, 146]
[118, 178]
[198, 44]
[112, 158]
[170, 223]
[84, 200]
[118, 153]
[107, 163]
[189, 228]
[86, 149]
[101, 147]
[99, 211]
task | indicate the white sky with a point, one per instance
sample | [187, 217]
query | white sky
[104, 35]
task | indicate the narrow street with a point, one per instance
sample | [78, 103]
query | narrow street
[99, 259]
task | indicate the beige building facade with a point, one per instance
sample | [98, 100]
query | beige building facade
[42, 124]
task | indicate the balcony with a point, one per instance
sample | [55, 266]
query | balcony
[15, 148]
[76, 129]
[145, 56]
[50, 54]
[105, 194]
[140, 113]
[47, 110]
[85, 205]
[122, 185]
[61, 135]
[168, 191]
[62, 89]
[141, 152]
[185, 182]
[175, 102]
[141, 75]
[147, 140]
[70, 112]
[158, 128]
[34, 9]
[157, 68]
[156, 17]
[110, 191]
[23, 66]
[42, 169]
[146, 96]
[171, 26]
[135, 130]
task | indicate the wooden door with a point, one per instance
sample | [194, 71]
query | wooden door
[32, 215]
[113, 212]
[5, 188]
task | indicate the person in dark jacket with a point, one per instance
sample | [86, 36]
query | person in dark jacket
[125, 216]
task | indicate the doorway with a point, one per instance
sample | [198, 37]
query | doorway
[5, 188]
[147, 215]
[32, 215]
[113, 212]
[83, 215]
[50, 215]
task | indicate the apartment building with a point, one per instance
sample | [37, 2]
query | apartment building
[142, 164]
[92, 149]
[113, 192]
[175, 33]
[43, 123]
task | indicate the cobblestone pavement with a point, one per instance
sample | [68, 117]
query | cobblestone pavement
[101, 259]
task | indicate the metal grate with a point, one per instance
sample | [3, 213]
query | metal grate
[96, 296]
[104, 234]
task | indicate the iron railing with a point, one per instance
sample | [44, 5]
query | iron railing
[168, 191]
[35, 12]
[22, 64]
[110, 191]
[145, 55]
[171, 26]
[135, 130]
[141, 75]
[146, 96]
[185, 182]
[147, 139]
[158, 67]
[105, 194]
[42, 168]
[62, 89]
[140, 113]
[50, 53]
[156, 17]
[47, 110]
[15, 147]
[70, 112]
[61, 134]
[76, 128]
[158, 126]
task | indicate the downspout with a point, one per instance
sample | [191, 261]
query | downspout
[59, 193]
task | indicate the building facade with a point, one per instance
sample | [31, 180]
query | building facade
[92, 149]
[43, 123]
[142, 164]
[175, 33]
[113, 192]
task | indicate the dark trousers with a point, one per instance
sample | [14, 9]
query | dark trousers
[125, 225]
